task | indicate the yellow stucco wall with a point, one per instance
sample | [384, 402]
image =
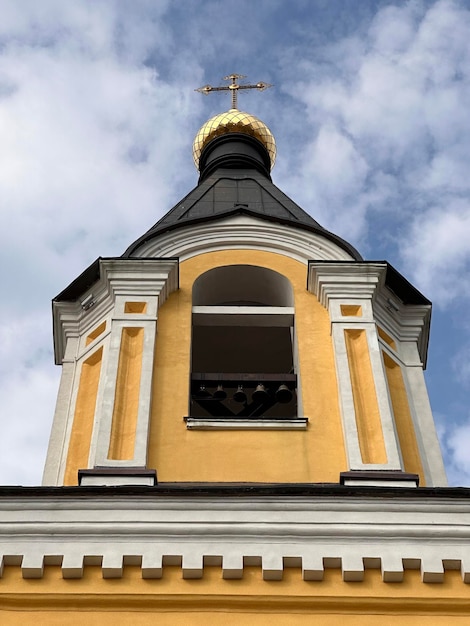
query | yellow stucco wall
[93, 600]
[403, 420]
[82, 428]
[316, 455]
[126, 401]
[366, 407]
[178, 454]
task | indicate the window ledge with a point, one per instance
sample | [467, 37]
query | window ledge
[246, 423]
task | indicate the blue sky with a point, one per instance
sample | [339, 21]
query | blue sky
[97, 115]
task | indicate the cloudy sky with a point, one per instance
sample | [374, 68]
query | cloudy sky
[370, 110]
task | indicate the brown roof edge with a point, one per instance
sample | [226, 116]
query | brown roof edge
[236, 490]
[92, 274]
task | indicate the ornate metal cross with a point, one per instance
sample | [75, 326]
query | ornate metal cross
[233, 87]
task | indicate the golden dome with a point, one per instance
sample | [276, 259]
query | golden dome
[234, 121]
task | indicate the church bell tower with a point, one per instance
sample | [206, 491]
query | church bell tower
[243, 433]
[239, 341]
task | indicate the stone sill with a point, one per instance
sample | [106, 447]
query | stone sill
[246, 423]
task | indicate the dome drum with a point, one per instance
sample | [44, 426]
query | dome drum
[234, 151]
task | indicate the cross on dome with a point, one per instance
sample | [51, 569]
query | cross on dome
[234, 87]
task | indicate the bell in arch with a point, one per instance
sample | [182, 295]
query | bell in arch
[202, 392]
[220, 393]
[260, 394]
[283, 394]
[239, 395]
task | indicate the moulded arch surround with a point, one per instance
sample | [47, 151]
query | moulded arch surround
[242, 284]
[242, 232]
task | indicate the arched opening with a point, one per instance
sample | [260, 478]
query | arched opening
[242, 344]
[240, 284]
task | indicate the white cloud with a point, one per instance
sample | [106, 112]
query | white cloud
[461, 365]
[86, 163]
[399, 110]
[438, 249]
[457, 440]
[29, 384]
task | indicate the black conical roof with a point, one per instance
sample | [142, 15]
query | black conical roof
[235, 179]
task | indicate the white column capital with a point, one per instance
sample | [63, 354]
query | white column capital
[344, 280]
[111, 279]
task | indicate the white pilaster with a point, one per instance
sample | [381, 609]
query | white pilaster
[423, 421]
[409, 326]
[121, 281]
[99, 453]
[61, 425]
[342, 287]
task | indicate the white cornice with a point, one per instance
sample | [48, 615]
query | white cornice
[316, 532]
[242, 231]
[156, 277]
[344, 280]
[405, 322]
